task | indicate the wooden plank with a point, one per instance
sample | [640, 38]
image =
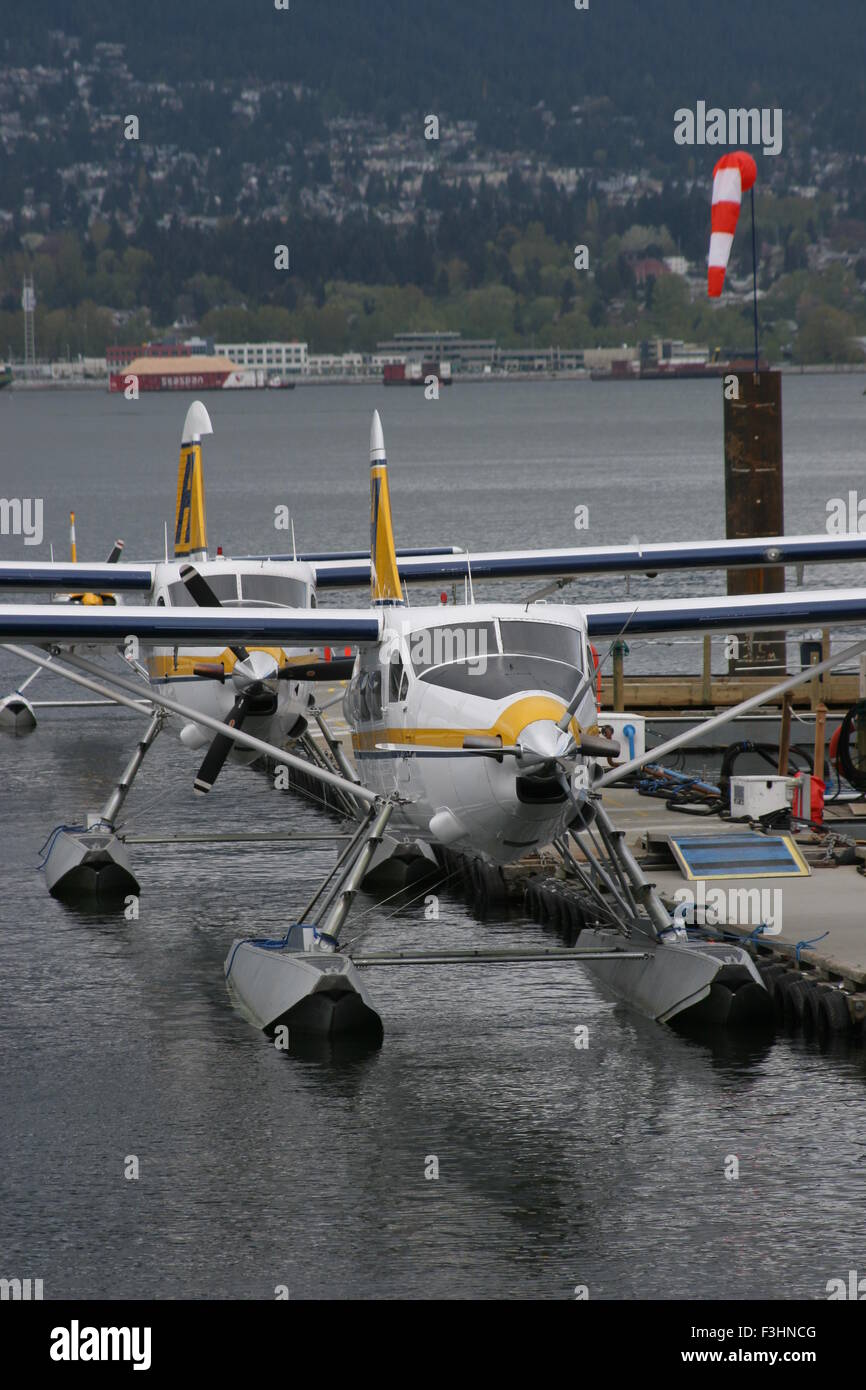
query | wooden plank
[641, 693]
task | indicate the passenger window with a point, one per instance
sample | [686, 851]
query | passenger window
[374, 695]
[368, 698]
[350, 704]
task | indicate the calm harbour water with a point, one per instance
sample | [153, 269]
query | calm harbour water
[557, 1167]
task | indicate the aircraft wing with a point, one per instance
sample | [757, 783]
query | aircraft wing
[51, 574]
[332, 572]
[829, 608]
[324, 556]
[55, 622]
[138, 578]
[349, 569]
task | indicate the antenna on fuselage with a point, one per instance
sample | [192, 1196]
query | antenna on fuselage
[469, 577]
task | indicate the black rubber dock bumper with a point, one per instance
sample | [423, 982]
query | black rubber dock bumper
[734, 1001]
[802, 1001]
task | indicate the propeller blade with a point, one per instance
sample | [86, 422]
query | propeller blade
[115, 554]
[220, 749]
[205, 597]
[489, 744]
[210, 670]
[498, 752]
[318, 670]
[596, 746]
[492, 742]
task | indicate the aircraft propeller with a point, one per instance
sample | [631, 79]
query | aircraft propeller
[254, 676]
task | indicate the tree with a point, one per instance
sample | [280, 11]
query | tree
[796, 252]
[826, 335]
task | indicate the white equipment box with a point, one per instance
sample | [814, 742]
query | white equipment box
[758, 796]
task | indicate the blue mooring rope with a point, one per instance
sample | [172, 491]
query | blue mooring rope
[269, 943]
[49, 843]
[266, 942]
[807, 945]
[753, 936]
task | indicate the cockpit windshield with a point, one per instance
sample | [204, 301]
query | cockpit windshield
[472, 643]
[552, 640]
[262, 590]
[257, 591]
[496, 660]
[224, 587]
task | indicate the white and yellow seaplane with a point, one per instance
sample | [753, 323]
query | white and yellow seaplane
[474, 728]
[269, 688]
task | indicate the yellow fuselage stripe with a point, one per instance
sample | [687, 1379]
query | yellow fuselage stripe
[508, 727]
[183, 662]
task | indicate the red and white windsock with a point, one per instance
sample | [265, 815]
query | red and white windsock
[734, 174]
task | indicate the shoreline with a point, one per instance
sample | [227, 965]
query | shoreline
[469, 379]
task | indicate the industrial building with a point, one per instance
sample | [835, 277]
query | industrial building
[286, 359]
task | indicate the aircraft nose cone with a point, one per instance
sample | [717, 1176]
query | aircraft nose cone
[543, 740]
[259, 668]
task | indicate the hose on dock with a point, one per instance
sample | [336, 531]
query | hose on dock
[854, 722]
[768, 751]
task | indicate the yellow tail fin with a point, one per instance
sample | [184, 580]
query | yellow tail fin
[190, 526]
[384, 577]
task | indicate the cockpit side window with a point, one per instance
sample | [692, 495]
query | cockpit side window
[370, 691]
[398, 681]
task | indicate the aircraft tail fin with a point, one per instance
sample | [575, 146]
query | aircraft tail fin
[385, 587]
[190, 526]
